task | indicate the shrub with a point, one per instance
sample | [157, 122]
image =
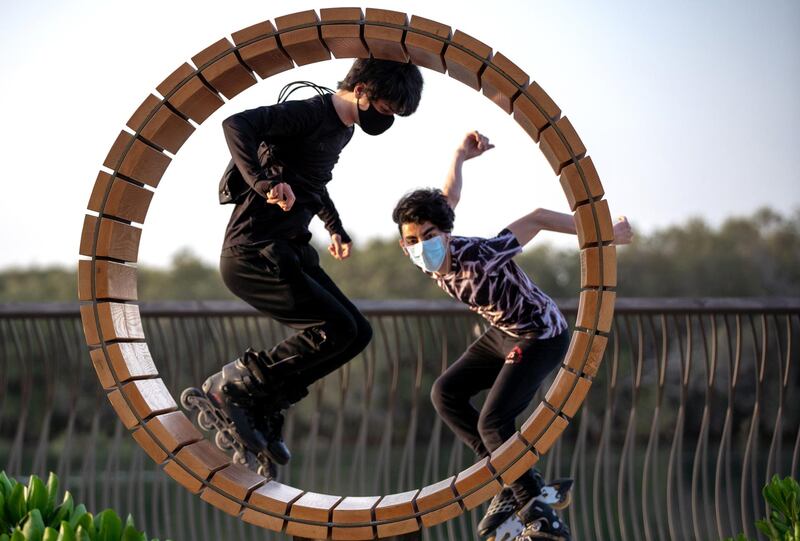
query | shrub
[30, 513]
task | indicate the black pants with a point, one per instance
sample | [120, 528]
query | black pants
[512, 369]
[283, 279]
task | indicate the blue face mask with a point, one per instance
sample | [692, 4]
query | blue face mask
[428, 254]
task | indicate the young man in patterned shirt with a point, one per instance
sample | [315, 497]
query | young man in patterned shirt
[527, 337]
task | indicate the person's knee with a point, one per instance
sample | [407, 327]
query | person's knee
[363, 334]
[489, 427]
[440, 394]
[340, 332]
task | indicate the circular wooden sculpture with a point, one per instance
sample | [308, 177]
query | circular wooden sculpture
[137, 160]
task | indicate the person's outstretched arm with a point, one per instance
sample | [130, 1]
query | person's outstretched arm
[531, 224]
[474, 144]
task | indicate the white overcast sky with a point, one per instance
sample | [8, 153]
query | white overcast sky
[687, 108]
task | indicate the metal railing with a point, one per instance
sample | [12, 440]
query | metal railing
[691, 412]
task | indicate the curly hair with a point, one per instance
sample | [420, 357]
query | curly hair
[398, 83]
[425, 205]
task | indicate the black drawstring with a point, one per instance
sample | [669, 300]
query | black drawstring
[289, 89]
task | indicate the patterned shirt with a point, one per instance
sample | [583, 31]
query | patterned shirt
[484, 276]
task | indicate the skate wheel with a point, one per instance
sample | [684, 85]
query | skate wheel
[223, 441]
[187, 395]
[205, 421]
[270, 471]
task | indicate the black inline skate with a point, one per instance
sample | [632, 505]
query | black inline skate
[243, 406]
[502, 522]
[541, 522]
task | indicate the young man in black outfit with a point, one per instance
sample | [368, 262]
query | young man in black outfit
[526, 339]
[283, 157]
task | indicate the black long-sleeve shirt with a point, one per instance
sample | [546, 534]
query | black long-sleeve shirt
[306, 138]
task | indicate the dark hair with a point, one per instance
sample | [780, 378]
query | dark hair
[425, 205]
[398, 83]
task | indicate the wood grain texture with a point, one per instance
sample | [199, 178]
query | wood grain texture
[114, 281]
[344, 40]
[587, 227]
[149, 397]
[262, 52]
[496, 84]
[585, 353]
[560, 152]
[591, 267]
[312, 506]
[164, 128]
[512, 459]
[352, 510]
[475, 476]
[303, 45]
[465, 59]
[116, 240]
[383, 42]
[223, 72]
[534, 110]
[392, 507]
[202, 458]
[574, 181]
[424, 50]
[435, 496]
[588, 315]
[234, 481]
[274, 497]
[126, 201]
[137, 160]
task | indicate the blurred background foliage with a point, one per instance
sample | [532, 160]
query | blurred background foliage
[757, 255]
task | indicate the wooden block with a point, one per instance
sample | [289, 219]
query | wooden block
[235, 481]
[385, 42]
[202, 458]
[575, 178]
[137, 160]
[314, 507]
[591, 267]
[561, 151]
[101, 367]
[587, 227]
[552, 434]
[536, 425]
[222, 70]
[150, 446]
[469, 481]
[189, 95]
[596, 309]
[465, 59]
[496, 84]
[120, 321]
[534, 110]
[343, 40]
[585, 352]
[438, 502]
[125, 200]
[352, 510]
[395, 508]
[424, 50]
[512, 459]
[89, 323]
[131, 360]
[262, 53]
[149, 397]
[113, 281]
[173, 430]
[116, 240]
[156, 123]
[303, 45]
[567, 392]
[123, 411]
[270, 497]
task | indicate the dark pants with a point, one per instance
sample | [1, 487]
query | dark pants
[512, 369]
[283, 279]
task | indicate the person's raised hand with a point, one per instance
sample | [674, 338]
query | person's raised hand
[281, 195]
[623, 234]
[473, 145]
[338, 249]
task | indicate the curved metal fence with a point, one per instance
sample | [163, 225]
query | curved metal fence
[691, 412]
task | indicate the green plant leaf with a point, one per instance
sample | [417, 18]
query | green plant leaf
[4, 537]
[37, 494]
[66, 532]
[50, 534]
[5, 484]
[3, 521]
[17, 535]
[82, 534]
[34, 526]
[109, 526]
[15, 505]
[63, 511]
[130, 533]
[77, 514]
[52, 496]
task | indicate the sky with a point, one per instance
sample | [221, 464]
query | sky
[688, 109]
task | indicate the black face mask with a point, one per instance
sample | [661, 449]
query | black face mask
[374, 122]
